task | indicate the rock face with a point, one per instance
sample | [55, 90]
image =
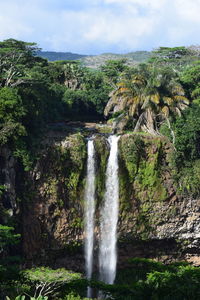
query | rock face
[52, 210]
[155, 220]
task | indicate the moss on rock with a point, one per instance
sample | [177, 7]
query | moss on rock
[102, 153]
[141, 182]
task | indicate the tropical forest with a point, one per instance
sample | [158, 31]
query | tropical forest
[99, 174]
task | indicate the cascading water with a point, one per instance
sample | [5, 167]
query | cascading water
[89, 211]
[109, 217]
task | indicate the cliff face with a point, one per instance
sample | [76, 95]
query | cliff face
[165, 223]
[154, 219]
[53, 207]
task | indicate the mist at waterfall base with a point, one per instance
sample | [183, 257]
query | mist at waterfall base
[108, 215]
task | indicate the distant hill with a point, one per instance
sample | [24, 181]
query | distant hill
[95, 61]
[53, 56]
[132, 58]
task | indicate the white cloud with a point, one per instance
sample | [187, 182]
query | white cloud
[101, 25]
[151, 4]
[188, 10]
[8, 29]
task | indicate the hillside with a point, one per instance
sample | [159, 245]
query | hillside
[95, 61]
[53, 56]
[132, 58]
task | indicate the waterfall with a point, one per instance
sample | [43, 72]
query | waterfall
[109, 217]
[89, 210]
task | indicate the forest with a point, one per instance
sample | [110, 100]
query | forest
[159, 97]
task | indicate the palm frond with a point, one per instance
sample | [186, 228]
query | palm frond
[168, 100]
[165, 111]
[181, 99]
[155, 98]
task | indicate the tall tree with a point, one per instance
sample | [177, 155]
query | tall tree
[15, 56]
[148, 96]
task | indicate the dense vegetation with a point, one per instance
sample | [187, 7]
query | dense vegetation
[160, 97]
[142, 279]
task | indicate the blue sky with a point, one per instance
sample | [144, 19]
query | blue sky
[99, 26]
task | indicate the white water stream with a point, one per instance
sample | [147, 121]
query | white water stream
[109, 217]
[89, 211]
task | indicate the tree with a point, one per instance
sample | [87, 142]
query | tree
[148, 96]
[69, 73]
[14, 56]
[190, 78]
[188, 135]
[47, 281]
[11, 108]
[112, 69]
[176, 57]
[11, 114]
[8, 264]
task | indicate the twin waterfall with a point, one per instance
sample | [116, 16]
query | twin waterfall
[108, 214]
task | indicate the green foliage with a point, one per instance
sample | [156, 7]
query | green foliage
[88, 102]
[180, 285]
[2, 189]
[146, 279]
[76, 154]
[11, 114]
[9, 264]
[147, 95]
[171, 53]
[48, 282]
[132, 151]
[10, 131]
[34, 93]
[44, 274]
[187, 154]
[113, 68]
[20, 297]
[7, 237]
[176, 57]
[55, 56]
[78, 104]
[102, 153]
[16, 57]
[141, 183]
[39, 298]
[190, 77]
[11, 109]
[72, 296]
[188, 178]
[143, 161]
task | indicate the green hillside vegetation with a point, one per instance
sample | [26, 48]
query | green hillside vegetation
[96, 61]
[132, 58]
[53, 56]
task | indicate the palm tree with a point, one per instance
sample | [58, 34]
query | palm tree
[148, 96]
[73, 75]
